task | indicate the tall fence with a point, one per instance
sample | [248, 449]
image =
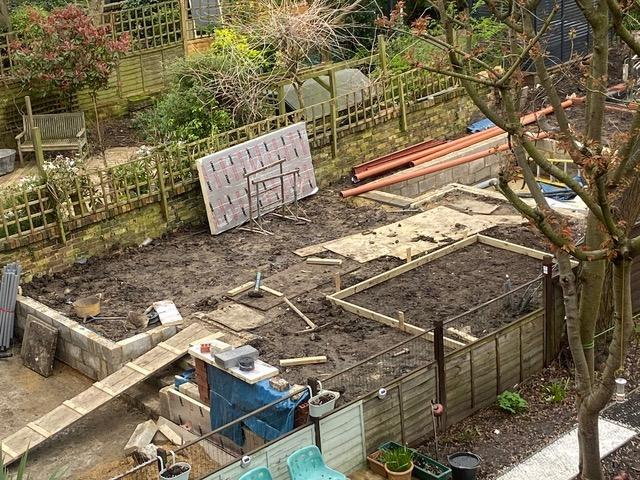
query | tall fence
[51, 209]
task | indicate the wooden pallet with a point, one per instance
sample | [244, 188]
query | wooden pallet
[58, 419]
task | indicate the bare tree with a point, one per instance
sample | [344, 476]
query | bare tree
[609, 165]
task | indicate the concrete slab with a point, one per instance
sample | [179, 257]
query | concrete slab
[39, 346]
[238, 317]
[559, 460]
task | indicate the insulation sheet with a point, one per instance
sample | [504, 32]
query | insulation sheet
[224, 182]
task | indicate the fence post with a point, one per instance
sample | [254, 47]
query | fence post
[438, 353]
[282, 107]
[549, 309]
[382, 53]
[37, 146]
[184, 25]
[163, 190]
[403, 105]
[333, 85]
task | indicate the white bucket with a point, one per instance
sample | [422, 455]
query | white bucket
[320, 410]
[181, 476]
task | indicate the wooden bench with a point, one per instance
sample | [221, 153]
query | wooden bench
[59, 131]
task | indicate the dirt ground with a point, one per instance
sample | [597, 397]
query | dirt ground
[194, 268]
[450, 285]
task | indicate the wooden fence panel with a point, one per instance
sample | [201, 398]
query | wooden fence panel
[274, 456]
[484, 377]
[458, 377]
[416, 393]
[382, 420]
[342, 439]
[508, 349]
[532, 345]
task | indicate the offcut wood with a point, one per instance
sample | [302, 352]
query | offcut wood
[299, 313]
[292, 362]
[323, 261]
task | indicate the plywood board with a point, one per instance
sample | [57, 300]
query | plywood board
[296, 280]
[238, 317]
[423, 232]
[223, 176]
[39, 346]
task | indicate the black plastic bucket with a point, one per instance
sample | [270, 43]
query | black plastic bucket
[464, 465]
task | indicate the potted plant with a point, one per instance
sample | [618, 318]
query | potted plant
[322, 403]
[424, 467]
[175, 471]
[398, 463]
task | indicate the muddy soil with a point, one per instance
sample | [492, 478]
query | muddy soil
[452, 285]
[116, 132]
[194, 268]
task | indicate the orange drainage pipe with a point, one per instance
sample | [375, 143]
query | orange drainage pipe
[393, 179]
[450, 146]
[423, 146]
[526, 120]
[419, 158]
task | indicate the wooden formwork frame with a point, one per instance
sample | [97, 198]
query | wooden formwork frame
[338, 298]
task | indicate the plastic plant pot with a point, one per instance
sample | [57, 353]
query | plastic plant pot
[322, 403]
[464, 465]
[424, 467]
[405, 475]
[175, 471]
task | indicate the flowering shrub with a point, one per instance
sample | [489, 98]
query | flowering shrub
[65, 51]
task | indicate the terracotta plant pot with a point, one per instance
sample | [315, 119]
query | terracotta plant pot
[406, 475]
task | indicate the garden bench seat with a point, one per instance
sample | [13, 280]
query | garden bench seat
[308, 464]
[59, 131]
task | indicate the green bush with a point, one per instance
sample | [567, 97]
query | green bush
[20, 21]
[183, 115]
[556, 391]
[512, 402]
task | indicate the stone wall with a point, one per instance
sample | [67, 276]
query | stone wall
[84, 349]
[130, 224]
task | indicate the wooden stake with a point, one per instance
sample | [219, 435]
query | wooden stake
[408, 254]
[337, 281]
[242, 288]
[271, 291]
[291, 362]
[401, 320]
[299, 313]
[323, 261]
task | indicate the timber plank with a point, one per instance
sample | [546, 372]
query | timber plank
[98, 394]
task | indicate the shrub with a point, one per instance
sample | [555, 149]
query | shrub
[512, 402]
[21, 24]
[183, 115]
[65, 51]
[397, 459]
[556, 391]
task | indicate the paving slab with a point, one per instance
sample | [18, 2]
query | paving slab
[559, 460]
[39, 346]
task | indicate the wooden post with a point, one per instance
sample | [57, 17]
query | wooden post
[401, 320]
[549, 310]
[333, 85]
[282, 105]
[337, 281]
[409, 254]
[438, 353]
[163, 190]
[184, 25]
[382, 53]
[37, 146]
[403, 106]
[27, 104]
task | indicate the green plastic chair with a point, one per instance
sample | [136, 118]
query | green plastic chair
[308, 464]
[258, 473]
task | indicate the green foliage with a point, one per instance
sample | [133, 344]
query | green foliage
[20, 18]
[556, 391]
[512, 402]
[405, 51]
[65, 51]
[183, 114]
[153, 20]
[397, 459]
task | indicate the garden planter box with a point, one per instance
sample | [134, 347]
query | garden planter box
[424, 468]
[375, 465]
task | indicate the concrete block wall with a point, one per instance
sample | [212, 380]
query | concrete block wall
[85, 350]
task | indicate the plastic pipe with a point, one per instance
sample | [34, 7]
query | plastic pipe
[419, 158]
[393, 179]
[393, 156]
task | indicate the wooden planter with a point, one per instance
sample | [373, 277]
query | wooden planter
[421, 464]
[375, 465]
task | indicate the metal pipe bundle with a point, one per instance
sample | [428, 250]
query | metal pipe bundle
[8, 293]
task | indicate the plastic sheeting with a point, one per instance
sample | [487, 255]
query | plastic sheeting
[231, 398]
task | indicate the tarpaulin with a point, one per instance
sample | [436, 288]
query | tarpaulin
[231, 398]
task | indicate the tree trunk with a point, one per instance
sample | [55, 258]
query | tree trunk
[4, 16]
[588, 440]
